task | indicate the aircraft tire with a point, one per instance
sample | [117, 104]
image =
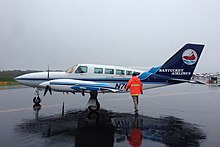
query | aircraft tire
[94, 108]
[37, 100]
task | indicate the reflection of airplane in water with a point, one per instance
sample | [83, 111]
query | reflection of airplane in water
[94, 79]
[103, 128]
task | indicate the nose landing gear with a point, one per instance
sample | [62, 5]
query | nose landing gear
[37, 99]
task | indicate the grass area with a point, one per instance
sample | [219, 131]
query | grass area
[8, 83]
[7, 77]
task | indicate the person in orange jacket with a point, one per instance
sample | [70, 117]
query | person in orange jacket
[135, 86]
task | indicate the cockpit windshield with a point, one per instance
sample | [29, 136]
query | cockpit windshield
[71, 69]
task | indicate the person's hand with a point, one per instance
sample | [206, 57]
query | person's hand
[141, 92]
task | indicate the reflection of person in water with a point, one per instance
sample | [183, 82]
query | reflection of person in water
[135, 137]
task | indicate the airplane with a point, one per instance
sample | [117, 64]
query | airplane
[94, 78]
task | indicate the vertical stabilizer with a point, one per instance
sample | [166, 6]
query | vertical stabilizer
[183, 63]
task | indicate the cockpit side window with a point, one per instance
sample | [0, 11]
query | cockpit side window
[81, 69]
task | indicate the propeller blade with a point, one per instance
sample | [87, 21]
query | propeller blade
[46, 89]
[50, 90]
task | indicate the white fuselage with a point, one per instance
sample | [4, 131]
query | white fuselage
[109, 78]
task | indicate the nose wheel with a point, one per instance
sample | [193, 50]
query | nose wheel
[37, 99]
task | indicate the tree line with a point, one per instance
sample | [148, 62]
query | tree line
[9, 75]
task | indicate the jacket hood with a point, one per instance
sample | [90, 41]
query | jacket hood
[135, 78]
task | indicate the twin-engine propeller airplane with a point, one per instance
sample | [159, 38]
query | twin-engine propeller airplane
[94, 79]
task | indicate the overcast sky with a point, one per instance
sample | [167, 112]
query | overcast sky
[62, 33]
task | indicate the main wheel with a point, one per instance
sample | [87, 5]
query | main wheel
[94, 108]
[37, 100]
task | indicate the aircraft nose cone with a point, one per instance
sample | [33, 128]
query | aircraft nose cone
[16, 78]
[19, 79]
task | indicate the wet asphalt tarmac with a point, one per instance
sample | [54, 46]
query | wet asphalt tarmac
[179, 115]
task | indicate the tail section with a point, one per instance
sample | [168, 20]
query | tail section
[183, 63]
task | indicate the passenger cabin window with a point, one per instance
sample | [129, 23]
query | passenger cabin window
[98, 70]
[109, 71]
[120, 72]
[81, 69]
[137, 73]
[128, 72]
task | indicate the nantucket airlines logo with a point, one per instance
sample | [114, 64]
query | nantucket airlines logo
[189, 57]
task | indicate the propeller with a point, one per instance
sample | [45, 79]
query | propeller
[48, 88]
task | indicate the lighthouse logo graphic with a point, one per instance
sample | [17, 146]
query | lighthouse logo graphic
[189, 57]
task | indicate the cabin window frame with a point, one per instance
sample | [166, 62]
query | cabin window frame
[128, 72]
[109, 69]
[137, 73]
[98, 70]
[120, 72]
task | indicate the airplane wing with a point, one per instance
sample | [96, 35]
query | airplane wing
[71, 85]
[94, 86]
[110, 90]
[199, 82]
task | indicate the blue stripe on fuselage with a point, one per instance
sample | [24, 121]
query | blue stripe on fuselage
[154, 69]
[145, 77]
[92, 80]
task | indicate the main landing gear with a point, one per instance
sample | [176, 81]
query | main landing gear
[37, 98]
[93, 104]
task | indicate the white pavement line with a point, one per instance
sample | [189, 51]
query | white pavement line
[24, 109]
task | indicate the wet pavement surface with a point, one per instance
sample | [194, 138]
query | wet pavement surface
[181, 115]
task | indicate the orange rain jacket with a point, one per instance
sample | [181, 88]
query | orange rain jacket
[135, 86]
[135, 139]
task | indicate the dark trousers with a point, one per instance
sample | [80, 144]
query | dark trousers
[135, 100]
